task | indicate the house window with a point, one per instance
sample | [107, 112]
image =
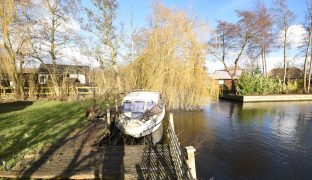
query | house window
[42, 79]
[80, 77]
[221, 81]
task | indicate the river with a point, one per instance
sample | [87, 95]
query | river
[250, 141]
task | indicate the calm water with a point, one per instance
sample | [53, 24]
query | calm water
[250, 141]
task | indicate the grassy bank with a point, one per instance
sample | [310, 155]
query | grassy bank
[28, 127]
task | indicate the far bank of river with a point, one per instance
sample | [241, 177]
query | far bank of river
[268, 98]
[271, 140]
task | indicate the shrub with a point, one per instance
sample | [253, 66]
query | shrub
[252, 84]
[291, 87]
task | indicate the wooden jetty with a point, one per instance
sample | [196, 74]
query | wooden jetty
[162, 161]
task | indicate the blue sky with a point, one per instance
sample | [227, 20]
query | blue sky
[211, 11]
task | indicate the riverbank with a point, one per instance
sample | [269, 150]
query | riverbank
[268, 98]
[30, 127]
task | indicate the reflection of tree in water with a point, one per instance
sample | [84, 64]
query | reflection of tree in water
[255, 113]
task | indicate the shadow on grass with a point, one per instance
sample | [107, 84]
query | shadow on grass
[70, 153]
[29, 130]
[73, 157]
[61, 137]
[14, 106]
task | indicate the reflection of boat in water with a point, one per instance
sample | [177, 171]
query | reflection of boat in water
[142, 113]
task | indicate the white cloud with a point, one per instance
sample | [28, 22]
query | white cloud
[277, 61]
[212, 66]
[73, 25]
[296, 34]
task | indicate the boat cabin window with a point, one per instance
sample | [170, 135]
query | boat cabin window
[150, 105]
[126, 107]
[138, 106]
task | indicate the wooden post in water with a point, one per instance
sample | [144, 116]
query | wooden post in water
[190, 150]
[171, 120]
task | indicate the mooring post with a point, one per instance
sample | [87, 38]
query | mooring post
[108, 114]
[171, 120]
[116, 105]
[190, 150]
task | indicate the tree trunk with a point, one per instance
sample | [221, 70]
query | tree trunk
[285, 66]
[17, 85]
[115, 67]
[265, 64]
[305, 66]
[54, 78]
[305, 71]
[310, 72]
[21, 79]
[104, 79]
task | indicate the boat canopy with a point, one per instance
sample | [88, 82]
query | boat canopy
[146, 96]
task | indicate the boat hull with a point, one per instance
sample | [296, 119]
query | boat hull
[140, 127]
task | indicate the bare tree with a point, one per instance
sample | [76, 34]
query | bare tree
[52, 33]
[262, 42]
[101, 25]
[307, 44]
[283, 20]
[232, 39]
[14, 36]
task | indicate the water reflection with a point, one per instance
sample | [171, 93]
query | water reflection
[255, 140]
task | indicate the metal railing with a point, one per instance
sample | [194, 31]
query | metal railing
[180, 163]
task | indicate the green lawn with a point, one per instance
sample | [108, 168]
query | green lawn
[28, 127]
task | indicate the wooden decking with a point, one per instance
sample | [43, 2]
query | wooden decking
[121, 162]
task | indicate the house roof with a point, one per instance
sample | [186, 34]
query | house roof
[224, 75]
[61, 69]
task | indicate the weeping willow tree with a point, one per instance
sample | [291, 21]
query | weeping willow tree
[172, 61]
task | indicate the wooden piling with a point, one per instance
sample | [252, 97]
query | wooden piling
[190, 150]
[108, 116]
[116, 105]
[171, 121]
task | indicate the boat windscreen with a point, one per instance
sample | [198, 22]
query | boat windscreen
[138, 106]
[126, 107]
[149, 105]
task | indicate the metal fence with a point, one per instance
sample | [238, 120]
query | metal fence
[178, 157]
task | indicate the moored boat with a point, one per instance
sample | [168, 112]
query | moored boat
[142, 113]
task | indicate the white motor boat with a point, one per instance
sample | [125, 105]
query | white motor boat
[142, 113]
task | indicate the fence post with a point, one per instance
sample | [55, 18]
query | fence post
[171, 121]
[116, 105]
[108, 114]
[190, 150]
